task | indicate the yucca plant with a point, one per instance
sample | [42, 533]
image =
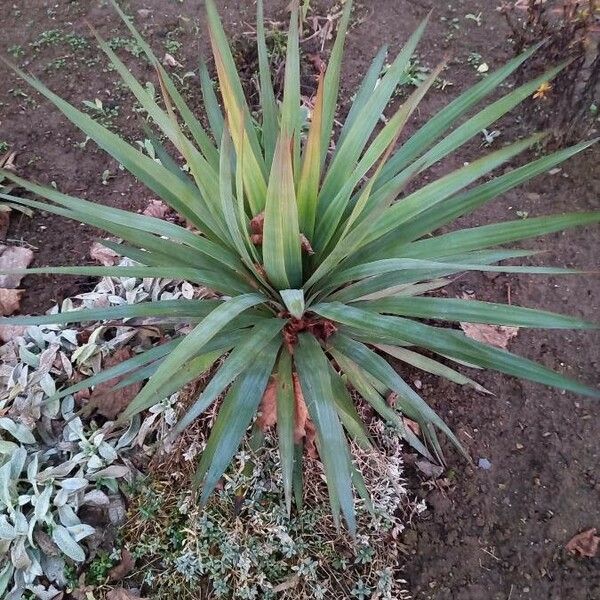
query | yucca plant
[321, 259]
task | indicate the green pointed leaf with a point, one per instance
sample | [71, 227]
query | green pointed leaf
[255, 341]
[409, 401]
[268, 103]
[294, 302]
[451, 343]
[235, 415]
[332, 80]
[211, 104]
[430, 366]
[474, 311]
[286, 407]
[361, 383]
[191, 346]
[281, 234]
[313, 370]
[444, 119]
[164, 308]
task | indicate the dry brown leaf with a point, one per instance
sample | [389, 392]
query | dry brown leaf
[303, 427]
[103, 255]
[107, 402]
[412, 425]
[125, 566]
[429, 469]
[4, 221]
[123, 594]
[13, 257]
[257, 223]
[156, 208]
[495, 335]
[10, 300]
[305, 245]
[267, 416]
[585, 543]
[170, 61]
[10, 332]
[8, 161]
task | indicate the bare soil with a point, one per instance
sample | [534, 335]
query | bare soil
[495, 534]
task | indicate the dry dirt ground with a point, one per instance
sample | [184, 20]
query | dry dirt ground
[495, 534]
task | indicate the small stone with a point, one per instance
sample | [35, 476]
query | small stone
[144, 13]
[484, 464]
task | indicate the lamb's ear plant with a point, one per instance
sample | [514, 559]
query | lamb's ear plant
[320, 257]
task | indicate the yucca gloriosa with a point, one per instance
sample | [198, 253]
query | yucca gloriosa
[320, 258]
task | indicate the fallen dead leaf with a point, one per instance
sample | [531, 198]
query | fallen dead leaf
[13, 257]
[171, 61]
[4, 221]
[125, 566]
[585, 543]
[103, 255]
[429, 469]
[157, 209]
[494, 335]
[123, 594]
[10, 332]
[10, 300]
[83, 593]
[108, 402]
[45, 543]
[412, 425]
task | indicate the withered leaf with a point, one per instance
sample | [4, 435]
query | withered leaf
[303, 427]
[123, 594]
[585, 543]
[156, 208]
[257, 223]
[429, 469]
[108, 402]
[267, 416]
[10, 332]
[494, 335]
[4, 221]
[125, 566]
[170, 61]
[103, 255]
[13, 257]
[10, 301]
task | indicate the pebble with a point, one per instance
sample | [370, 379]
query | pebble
[484, 464]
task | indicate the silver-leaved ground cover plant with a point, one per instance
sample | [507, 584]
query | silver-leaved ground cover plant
[321, 259]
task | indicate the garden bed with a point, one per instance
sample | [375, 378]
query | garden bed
[489, 533]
